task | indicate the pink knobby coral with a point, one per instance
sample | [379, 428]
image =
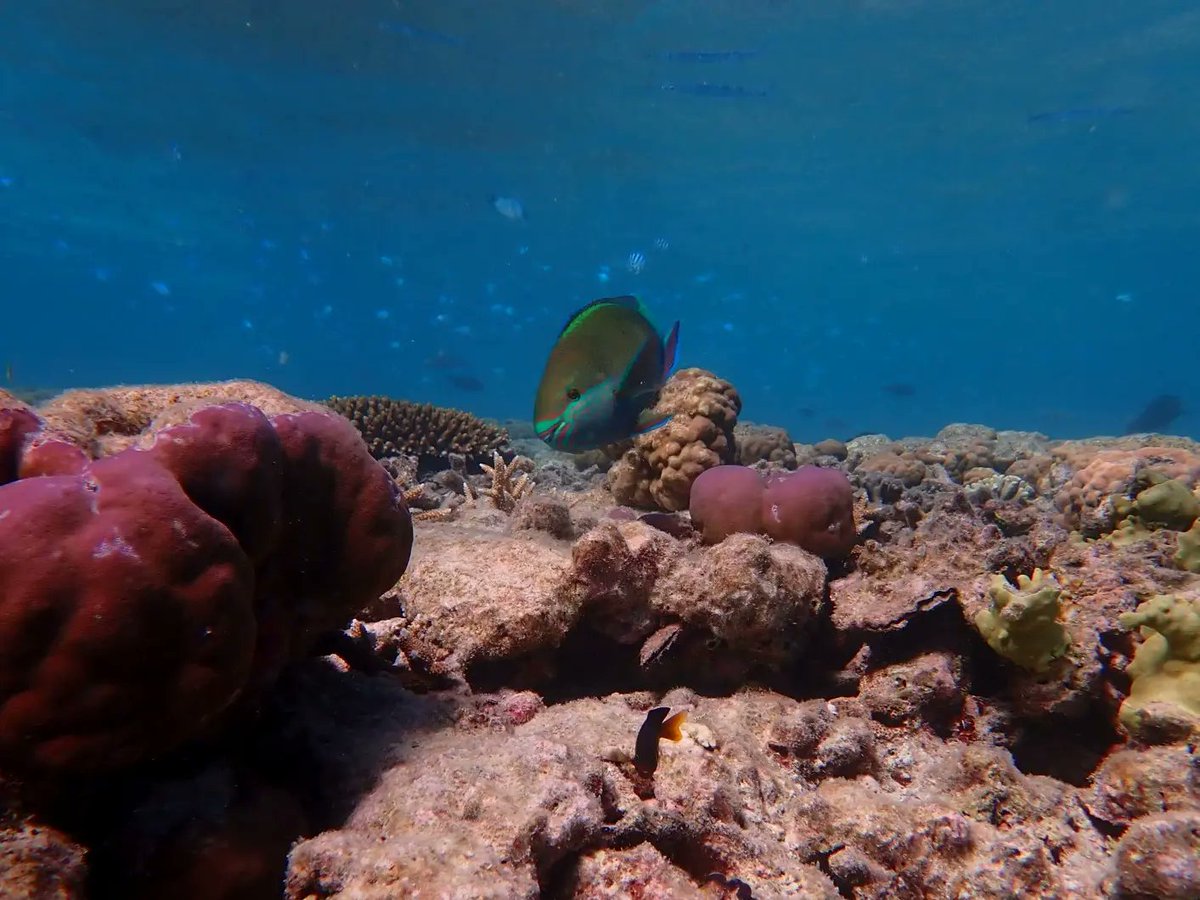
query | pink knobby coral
[811, 507]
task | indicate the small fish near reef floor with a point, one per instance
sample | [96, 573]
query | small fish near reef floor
[658, 725]
[603, 377]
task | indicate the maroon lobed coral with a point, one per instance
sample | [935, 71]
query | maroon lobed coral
[142, 595]
[811, 507]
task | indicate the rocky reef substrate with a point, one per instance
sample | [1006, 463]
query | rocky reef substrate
[991, 689]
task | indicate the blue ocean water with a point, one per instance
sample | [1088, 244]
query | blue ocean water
[882, 215]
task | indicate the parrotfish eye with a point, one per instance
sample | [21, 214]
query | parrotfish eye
[572, 393]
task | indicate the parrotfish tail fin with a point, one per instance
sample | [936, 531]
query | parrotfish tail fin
[671, 351]
[649, 419]
[672, 729]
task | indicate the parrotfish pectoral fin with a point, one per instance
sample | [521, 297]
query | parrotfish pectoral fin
[672, 729]
[649, 419]
[639, 384]
[671, 351]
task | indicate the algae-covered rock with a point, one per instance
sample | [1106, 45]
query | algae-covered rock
[1022, 623]
[1164, 701]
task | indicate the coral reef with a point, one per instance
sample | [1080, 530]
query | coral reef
[431, 433]
[658, 470]
[963, 665]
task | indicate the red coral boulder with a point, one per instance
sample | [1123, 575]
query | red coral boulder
[16, 425]
[812, 507]
[126, 616]
[726, 500]
[143, 595]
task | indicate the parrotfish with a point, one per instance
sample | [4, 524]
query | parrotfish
[603, 377]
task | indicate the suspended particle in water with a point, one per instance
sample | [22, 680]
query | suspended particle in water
[160, 288]
[662, 244]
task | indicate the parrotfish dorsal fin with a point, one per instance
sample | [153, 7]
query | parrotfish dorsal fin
[672, 728]
[585, 311]
[671, 351]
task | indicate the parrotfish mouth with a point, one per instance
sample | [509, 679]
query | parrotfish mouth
[551, 434]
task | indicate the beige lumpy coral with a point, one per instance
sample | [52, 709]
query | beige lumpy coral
[659, 469]
[1086, 501]
[903, 466]
[102, 421]
[764, 443]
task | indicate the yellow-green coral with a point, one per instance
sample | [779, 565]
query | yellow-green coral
[1161, 503]
[1022, 623]
[1187, 553]
[1166, 667]
[1167, 504]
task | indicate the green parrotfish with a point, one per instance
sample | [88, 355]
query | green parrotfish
[603, 377]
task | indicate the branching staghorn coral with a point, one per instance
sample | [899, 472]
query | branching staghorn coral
[507, 487]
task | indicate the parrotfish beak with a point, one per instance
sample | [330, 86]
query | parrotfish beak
[551, 432]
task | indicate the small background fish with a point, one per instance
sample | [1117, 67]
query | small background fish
[1157, 415]
[509, 207]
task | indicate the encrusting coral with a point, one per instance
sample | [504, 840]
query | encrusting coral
[1022, 623]
[658, 471]
[402, 428]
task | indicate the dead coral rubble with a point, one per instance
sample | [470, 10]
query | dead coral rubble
[472, 597]
[789, 799]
